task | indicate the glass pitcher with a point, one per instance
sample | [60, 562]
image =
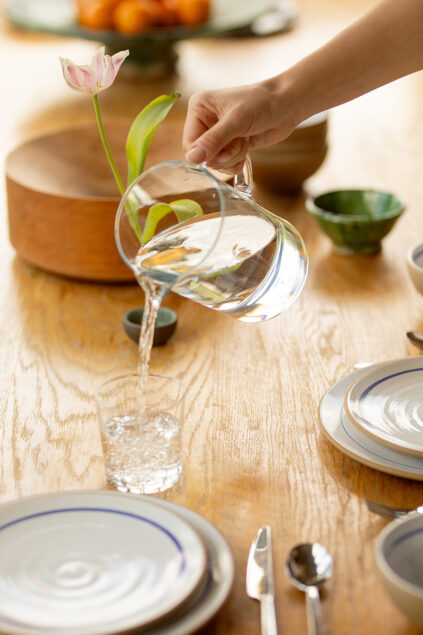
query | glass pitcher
[179, 225]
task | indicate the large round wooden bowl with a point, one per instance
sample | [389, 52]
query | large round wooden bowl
[62, 198]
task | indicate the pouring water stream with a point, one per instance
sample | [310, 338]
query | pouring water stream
[235, 257]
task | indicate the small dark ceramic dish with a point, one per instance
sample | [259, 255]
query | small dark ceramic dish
[165, 324]
[356, 220]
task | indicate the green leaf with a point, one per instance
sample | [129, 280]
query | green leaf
[183, 209]
[132, 209]
[142, 130]
[155, 214]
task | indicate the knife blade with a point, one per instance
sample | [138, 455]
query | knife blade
[260, 581]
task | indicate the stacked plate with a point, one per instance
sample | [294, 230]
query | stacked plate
[102, 562]
[376, 416]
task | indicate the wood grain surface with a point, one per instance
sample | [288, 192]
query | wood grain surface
[254, 453]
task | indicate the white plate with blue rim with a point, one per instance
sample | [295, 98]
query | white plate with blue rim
[345, 435]
[95, 562]
[202, 607]
[386, 403]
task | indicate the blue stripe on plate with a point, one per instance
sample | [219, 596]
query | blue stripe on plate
[411, 468]
[365, 392]
[106, 511]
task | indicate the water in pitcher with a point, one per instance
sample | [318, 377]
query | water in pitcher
[230, 254]
[254, 271]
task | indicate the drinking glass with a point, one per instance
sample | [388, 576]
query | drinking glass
[141, 427]
[234, 256]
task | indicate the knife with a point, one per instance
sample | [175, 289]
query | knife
[259, 579]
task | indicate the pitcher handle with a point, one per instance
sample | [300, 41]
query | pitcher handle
[243, 182]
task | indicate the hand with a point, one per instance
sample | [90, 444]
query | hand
[223, 125]
[385, 44]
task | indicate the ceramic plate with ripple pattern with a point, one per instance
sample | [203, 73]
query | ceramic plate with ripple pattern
[346, 436]
[85, 563]
[386, 404]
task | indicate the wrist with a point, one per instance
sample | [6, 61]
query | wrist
[286, 100]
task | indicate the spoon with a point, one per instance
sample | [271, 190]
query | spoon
[308, 566]
[416, 337]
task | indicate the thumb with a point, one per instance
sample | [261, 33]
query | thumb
[209, 144]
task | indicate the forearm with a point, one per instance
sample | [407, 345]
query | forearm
[385, 44]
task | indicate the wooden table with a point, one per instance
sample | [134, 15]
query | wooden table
[254, 452]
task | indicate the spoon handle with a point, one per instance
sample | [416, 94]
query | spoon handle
[313, 611]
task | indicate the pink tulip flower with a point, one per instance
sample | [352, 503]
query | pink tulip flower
[95, 77]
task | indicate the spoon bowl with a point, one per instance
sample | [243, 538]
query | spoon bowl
[308, 566]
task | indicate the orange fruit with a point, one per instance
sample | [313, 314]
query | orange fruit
[95, 14]
[193, 12]
[135, 16]
[170, 12]
[166, 13]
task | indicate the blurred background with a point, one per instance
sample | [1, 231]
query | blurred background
[233, 42]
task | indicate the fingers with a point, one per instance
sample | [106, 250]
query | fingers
[237, 168]
[213, 121]
[232, 158]
[213, 141]
[233, 153]
[267, 138]
[200, 117]
[194, 128]
[221, 125]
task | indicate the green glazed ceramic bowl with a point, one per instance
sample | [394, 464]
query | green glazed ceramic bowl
[356, 220]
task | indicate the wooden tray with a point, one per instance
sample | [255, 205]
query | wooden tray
[62, 198]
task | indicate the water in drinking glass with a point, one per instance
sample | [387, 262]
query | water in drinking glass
[140, 429]
[142, 451]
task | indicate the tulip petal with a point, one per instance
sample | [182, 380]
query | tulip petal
[88, 79]
[108, 76]
[118, 58]
[95, 77]
[71, 75]
[98, 62]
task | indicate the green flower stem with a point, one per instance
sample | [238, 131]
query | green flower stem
[106, 146]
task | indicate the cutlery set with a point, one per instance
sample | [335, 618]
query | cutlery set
[308, 566]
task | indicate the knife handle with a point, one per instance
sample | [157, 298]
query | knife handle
[313, 611]
[268, 615]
